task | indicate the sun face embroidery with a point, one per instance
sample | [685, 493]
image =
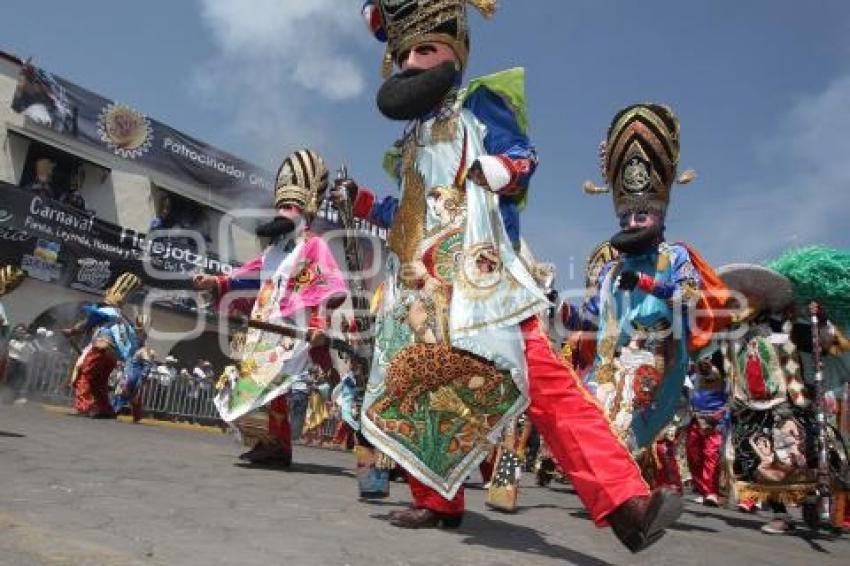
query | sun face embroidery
[309, 274]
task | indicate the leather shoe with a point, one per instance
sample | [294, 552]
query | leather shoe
[267, 453]
[424, 519]
[640, 521]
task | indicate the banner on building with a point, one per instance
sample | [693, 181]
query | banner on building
[59, 244]
[64, 107]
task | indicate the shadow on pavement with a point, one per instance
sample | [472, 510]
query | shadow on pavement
[300, 468]
[481, 530]
[5, 434]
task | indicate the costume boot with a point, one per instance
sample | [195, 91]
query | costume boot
[640, 521]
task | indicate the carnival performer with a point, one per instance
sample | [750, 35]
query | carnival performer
[664, 469]
[459, 350]
[645, 336]
[128, 392]
[295, 281]
[772, 422]
[704, 437]
[820, 277]
[114, 339]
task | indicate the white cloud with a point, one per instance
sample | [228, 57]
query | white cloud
[802, 195]
[277, 64]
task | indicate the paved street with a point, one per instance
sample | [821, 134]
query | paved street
[76, 491]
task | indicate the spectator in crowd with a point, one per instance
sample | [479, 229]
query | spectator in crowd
[203, 374]
[5, 328]
[168, 371]
[21, 351]
[10, 277]
[42, 185]
[74, 199]
[164, 218]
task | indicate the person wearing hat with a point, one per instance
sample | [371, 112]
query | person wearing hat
[772, 418]
[114, 339]
[296, 281]
[459, 349]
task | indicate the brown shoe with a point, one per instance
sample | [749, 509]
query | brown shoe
[424, 519]
[640, 521]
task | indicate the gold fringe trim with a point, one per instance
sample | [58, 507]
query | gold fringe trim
[789, 494]
[387, 64]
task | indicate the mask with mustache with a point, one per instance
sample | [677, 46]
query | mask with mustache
[415, 92]
[636, 240]
[276, 228]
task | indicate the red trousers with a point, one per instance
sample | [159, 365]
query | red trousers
[667, 472]
[576, 430]
[703, 449]
[279, 423]
[91, 390]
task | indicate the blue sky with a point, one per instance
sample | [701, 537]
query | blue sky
[762, 88]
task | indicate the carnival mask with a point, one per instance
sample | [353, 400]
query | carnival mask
[412, 93]
[637, 240]
[276, 228]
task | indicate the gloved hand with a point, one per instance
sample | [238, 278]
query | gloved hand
[628, 280]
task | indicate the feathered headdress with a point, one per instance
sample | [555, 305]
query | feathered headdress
[822, 275]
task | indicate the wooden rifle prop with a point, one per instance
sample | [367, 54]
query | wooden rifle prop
[373, 468]
[821, 514]
[346, 189]
[334, 342]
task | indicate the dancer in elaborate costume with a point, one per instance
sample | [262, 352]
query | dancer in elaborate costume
[295, 281]
[645, 336]
[820, 277]
[128, 392]
[459, 352]
[113, 339]
[770, 447]
[709, 407]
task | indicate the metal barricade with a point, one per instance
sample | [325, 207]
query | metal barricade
[48, 374]
[180, 400]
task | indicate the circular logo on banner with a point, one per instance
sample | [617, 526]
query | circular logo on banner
[126, 131]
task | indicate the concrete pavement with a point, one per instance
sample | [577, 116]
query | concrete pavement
[77, 491]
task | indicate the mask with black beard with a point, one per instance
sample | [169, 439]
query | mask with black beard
[276, 228]
[415, 92]
[636, 240]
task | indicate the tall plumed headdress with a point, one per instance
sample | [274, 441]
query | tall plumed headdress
[10, 277]
[403, 24]
[124, 286]
[302, 180]
[819, 274]
[639, 159]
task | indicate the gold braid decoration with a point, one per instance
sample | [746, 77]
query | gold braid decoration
[486, 7]
[408, 227]
[444, 130]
